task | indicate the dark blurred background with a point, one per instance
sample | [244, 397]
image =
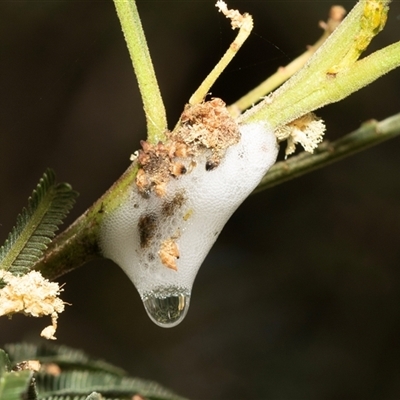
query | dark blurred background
[299, 298]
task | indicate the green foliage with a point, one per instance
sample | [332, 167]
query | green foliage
[5, 364]
[15, 385]
[65, 357]
[80, 377]
[36, 225]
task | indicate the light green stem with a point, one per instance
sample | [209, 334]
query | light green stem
[333, 72]
[144, 70]
[284, 73]
[78, 244]
[368, 135]
[245, 29]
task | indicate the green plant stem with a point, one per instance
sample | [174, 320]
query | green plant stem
[369, 134]
[285, 72]
[78, 244]
[291, 105]
[332, 73]
[244, 31]
[144, 70]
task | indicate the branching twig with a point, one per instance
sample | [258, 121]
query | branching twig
[336, 15]
[333, 72]
[369, 134]
[245, 24]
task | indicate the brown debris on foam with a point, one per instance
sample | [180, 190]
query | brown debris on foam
[169, 253]
[203, 128]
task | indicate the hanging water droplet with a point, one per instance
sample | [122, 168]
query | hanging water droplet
[167, 306]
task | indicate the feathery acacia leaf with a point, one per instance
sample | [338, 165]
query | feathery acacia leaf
[36, 225]
[81, 377]
[14, 385]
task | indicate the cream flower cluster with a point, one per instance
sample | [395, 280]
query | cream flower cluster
[31, 294]
[307, 130]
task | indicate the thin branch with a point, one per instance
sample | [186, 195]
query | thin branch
[369, 134]
[245, 24]
[336, 15]
[136, 41]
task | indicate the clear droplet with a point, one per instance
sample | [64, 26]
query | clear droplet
[167, 306]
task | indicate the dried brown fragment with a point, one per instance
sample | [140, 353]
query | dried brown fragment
[154, 172]
[142, 181]
[177, 169]
[160, 188]
[169, 207]
[237, 19]
[169, 253]
[206, 127]
[31, 365]
[147, 228]
[181, 150]
[210, 165]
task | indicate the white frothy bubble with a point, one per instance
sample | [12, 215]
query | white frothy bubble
[192, 213]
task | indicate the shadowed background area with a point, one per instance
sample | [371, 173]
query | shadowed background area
[299, 298]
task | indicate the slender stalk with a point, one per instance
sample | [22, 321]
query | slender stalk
[144, 70]
[368, 135]
[284, 73]
[245, 25]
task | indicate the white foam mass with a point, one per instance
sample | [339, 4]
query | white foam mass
[193, 212]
